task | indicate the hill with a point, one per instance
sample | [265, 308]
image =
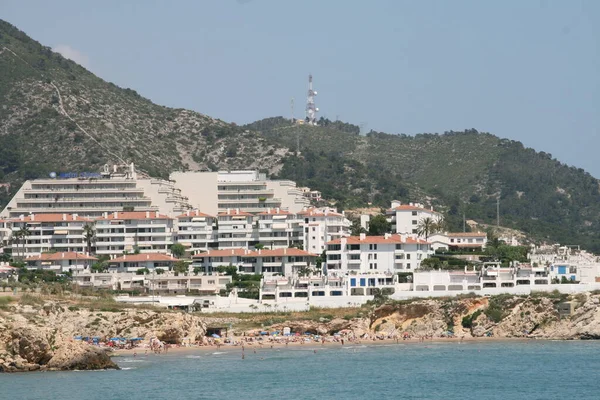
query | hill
[57, 116]
[460, 172]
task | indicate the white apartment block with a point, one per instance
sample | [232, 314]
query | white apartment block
[284, 262]
[236, 229]
[149, 232]
[92, 194]
[322, 226]
[405, 218]
[49, 232]
[278, 229]
[376, 254]
[134, 262]
[60, 262]
[249, 191]
[196, 231]
[5, 233]
[459, 241]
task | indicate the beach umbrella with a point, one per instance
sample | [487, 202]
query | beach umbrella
[216, 336]
[264, 333]
[77, 337]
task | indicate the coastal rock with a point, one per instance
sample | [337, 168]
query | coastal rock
[73, 355]
[29, 344]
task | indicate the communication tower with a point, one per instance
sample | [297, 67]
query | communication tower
[311, 109]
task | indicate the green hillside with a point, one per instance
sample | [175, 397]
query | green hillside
[460, 172]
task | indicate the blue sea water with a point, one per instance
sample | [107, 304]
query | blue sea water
[494, 370]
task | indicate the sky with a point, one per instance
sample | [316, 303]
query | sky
[526, 70]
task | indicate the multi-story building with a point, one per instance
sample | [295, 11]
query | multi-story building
[196, 231]
[236, 229]
[209, 261]
[463, 241]
[248, 191]
[322, 226]
[376, 254]
[5, 233]
[288, 262]
[148, 232]
[60, 262]
[93, 194]
[405, 218]
[150, 261]
[278, 229]
[48, 232]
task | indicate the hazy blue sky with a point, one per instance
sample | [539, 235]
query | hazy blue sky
[524, 69]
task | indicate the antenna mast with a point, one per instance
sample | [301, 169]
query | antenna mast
[311, 109]
[292, 105]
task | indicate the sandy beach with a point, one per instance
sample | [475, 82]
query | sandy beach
[144, 348]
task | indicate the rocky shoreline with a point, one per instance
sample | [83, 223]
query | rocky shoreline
[36, 337]
[39, 337]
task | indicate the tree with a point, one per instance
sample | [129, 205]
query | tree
[259, 246]
[178, 250]
[230, 270]
[430, 263]
[379, 225]
[197, 270]
[426, 227]
[356, 229]
[159, 271]
[142, 271]
[89, 235]
[21, 236]
[99, 266]
[180, 267]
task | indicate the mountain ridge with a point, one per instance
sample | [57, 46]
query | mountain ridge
[57, 116]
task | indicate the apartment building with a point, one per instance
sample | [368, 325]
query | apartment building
[60, 262]
[148, 232]
[405, 218]
[459, 241]
[376, 254]
[236, 229]
[249, 191]
[150, 261]
[209, 261]
[92, 194]
[322, 225]
[196, 231]
[5, 233]
[288, 262]
[279, 229]
[48, 232]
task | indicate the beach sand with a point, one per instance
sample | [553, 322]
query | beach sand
[266, 345]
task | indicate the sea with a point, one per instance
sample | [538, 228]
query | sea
[524, 370]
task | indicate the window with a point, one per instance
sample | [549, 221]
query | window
[398, 247]
[414, 231]
[375, 256]
[314, 229]
[370, 265]
[408, 256]
[414, 213]
[419, 256]
[414, 222]
[408, 266]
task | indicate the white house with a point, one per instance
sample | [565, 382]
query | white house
[279, 229]
[376, 254]
[463, 241]
[405, 218]
[322, 226]
[235, 229]
[151, 261]
[195, 230]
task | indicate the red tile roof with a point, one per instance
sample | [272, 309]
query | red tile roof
[274, 211]
[281, 252]
[134, 215]
[234, 212]
[467, 234]
[51, 218]
[378, 240]
[68, 255]
[144, 257]
[407, 207]
[194, 213]
[313, 212]
[223, 253]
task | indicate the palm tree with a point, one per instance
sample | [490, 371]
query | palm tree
[426, 227]
[89, 234]
[21, 236]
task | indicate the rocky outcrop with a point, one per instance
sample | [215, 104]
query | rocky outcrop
[41, 337]
[503, 316]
